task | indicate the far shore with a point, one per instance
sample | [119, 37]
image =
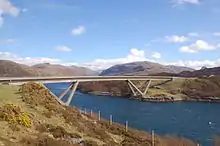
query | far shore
[159, 99]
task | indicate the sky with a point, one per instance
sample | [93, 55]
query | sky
[101, 33]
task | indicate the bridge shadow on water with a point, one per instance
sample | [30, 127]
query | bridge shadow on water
[194, 120]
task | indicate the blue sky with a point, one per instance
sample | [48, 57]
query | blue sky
[101, 33]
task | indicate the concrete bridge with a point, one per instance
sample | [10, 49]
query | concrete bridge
[75, 80]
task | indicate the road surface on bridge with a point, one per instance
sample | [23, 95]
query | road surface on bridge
[79, 78]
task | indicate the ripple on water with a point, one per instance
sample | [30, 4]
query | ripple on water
[187, 110]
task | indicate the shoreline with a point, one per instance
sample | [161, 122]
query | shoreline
[159, 99]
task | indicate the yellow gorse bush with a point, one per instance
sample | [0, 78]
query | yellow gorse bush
[13, 115]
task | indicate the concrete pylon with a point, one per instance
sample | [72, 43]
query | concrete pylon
[147, 87]
[132, 86]
[139, 91]
[132, 89]
[65, 91]
[74, 87]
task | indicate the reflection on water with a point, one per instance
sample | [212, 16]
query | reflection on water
[194, 120]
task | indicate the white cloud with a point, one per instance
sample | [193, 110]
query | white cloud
[196, 64]
[32, 61]
[193, 34]
[78, 31]
[6, 7]
[156, 55]
[97, 64]
[186, 1]
[200, 45]
[7, 56]
[63, 49]
[100, 64]
[216, 34]
[27, 60]
[176, 39]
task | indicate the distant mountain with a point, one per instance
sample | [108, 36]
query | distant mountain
[47, 69]
[202, 72]
[143, 68]
[12, 69]
[178, 69]
[85, 71]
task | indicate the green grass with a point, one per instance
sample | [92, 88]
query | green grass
[173, 85]
[8, 94]
[167, 88]
[158, 92]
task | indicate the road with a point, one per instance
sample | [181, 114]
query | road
[80, 78]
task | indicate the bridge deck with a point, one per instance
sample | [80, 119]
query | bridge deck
[80, 78]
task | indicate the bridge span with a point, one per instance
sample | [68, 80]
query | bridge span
[75, 80]
[80, 78]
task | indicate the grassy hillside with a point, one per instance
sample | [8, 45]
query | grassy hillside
[202, 87]
[31, 116]
[12, 69]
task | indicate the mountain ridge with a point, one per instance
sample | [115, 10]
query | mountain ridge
[203, 72]
[143, 68]
[13, 69]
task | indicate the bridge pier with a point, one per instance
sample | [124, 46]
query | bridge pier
[132, 89]
[132, 86]
[147, 87]
[74, 87]
[135, 87]
[65, 91]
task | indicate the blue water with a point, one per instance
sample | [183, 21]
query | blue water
[194, 120]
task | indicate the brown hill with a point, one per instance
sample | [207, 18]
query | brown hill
[12, 69]
[202, 87]
[143, 68]
[47, 69]
[204, 72]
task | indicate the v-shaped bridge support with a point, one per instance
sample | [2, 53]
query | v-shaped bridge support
[72, 87]
[133, 87]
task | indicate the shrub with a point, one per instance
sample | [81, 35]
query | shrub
[56, 131]
[13, 115]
